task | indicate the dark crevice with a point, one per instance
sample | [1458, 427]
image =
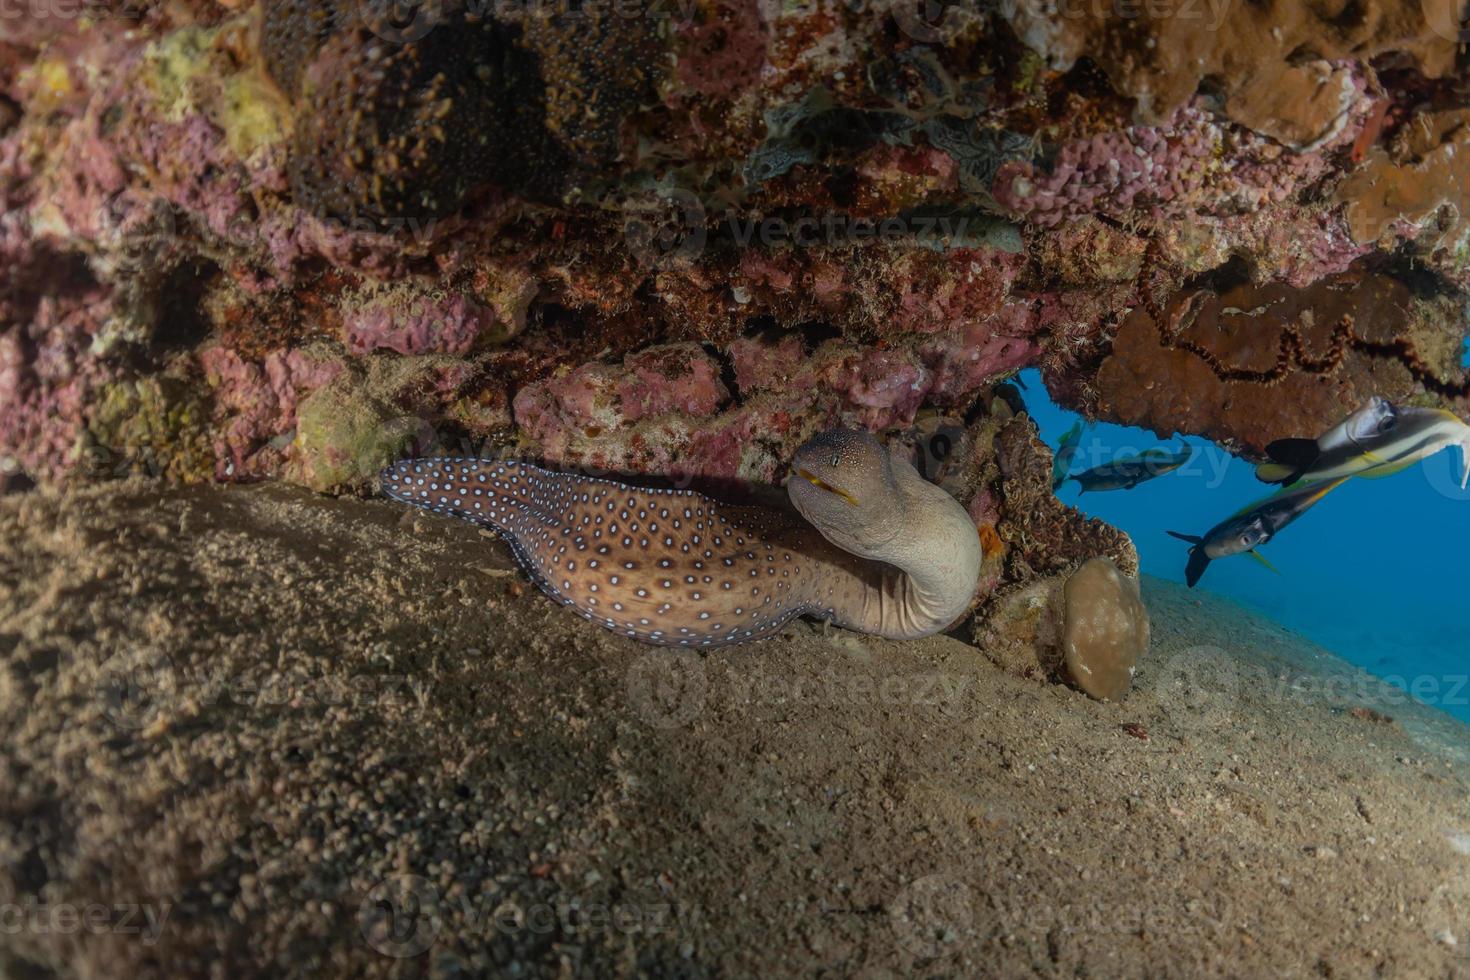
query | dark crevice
[1212, 90]
[843, 186]
[1354, 15]
[1303, 54]
[1235, 272]
[9, 115]
[727, 369]
[815, 333]
[18, 482]
[181, 321]
[1421, 280]
[1084, 79]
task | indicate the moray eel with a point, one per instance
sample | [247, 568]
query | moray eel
[885, 552]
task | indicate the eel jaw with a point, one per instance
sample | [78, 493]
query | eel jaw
[821, 484]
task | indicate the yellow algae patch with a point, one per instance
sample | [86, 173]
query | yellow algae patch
[214, 71]
[47, 82]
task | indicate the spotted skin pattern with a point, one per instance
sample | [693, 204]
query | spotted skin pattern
[668, 567]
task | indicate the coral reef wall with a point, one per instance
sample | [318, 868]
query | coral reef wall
[286, 239]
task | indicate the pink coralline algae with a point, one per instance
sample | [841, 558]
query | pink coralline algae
[255, 404]
[1294, 244]
[722, 48]
[911, 291]
[666, 409]
[159, 188]
[676, 379]
[1194, 164]
[46, 381]
[418, 324]
[131, 171]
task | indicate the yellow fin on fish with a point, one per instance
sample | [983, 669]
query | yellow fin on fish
[1262, 559]
[1318, 491]
[1387, 469]
[1273, 472]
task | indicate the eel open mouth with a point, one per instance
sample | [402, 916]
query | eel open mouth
[821, 484]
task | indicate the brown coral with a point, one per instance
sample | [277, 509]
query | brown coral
[1276, 68]
[398, 120]
[1258, 363]
[387, 130]
[597, 66]
[1426, 175]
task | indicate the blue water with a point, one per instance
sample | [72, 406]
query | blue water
[1375, 572]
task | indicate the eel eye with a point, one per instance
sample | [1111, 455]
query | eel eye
[836, 461]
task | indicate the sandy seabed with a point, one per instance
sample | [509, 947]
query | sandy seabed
[256, 732]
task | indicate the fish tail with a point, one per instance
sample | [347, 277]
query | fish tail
[494, 493]
[1290, 459]
[1198, 562]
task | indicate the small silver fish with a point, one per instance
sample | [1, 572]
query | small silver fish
[1252, 527]
[1377, 440]
[1127, 473]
